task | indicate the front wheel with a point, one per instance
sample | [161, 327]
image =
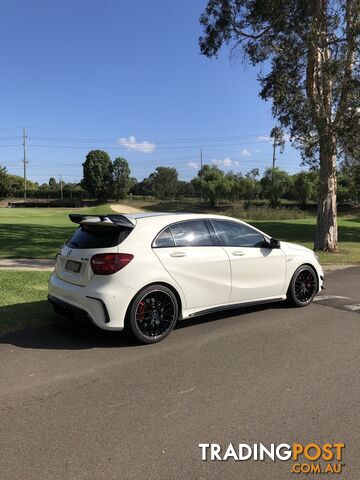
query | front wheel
[303, 286]
[153, 314]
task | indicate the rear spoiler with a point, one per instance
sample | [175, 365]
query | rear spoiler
[114, 220]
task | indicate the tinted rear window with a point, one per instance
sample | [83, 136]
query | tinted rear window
[98, 237]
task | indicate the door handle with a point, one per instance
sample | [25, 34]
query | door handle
[237, 253]
[178, 254]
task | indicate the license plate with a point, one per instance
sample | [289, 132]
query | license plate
[73, 266]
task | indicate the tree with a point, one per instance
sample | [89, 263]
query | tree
[52, 183]
[97, 170]
[253, 174]
[278, 141]
[304, 187]
[145, 187]
[73, 190]
[344, 189]
[165, 182]
[4, 183]
[17, 185]
[274, 184]
[185, 189]
[121, 177]
[312, 49]
[44, 187]
[350, 169]
[213, 183]
[249, 188]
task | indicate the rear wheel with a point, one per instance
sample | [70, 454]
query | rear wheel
[303, 286]
[153, 314]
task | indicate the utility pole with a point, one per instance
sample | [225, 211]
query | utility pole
[201, 166]
[61, 188]
[24, 160]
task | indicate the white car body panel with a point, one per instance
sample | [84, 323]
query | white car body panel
[256, 273]
[205, 278]
[202, 272]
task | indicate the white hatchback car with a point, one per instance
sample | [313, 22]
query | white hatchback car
[144, 271]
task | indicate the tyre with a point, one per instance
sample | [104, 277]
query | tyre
[153, 314]
[303, 286]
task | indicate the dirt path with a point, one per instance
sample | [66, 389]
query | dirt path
[44, 264]
[121, 208]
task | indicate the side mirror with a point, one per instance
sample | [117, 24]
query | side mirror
[274, 243]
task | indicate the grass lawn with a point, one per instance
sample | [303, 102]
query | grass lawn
[23, 300]
[39, 232]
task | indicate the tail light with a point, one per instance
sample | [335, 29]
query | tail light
[109, 263]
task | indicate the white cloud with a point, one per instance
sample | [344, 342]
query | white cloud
[226, 162]
[257, 150]
[245, 152]
[131, 144]
[193, 165]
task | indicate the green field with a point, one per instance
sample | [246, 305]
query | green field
[39, 232]
[23, 300]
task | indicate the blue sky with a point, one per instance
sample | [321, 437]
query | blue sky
[127, 77]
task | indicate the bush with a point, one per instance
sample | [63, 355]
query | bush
[265, 213]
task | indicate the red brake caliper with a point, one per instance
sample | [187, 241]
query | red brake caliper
[141, 311]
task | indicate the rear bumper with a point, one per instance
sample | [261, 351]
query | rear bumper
[68, 310]
[104, 303]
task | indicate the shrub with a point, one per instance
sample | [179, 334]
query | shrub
[265, 213]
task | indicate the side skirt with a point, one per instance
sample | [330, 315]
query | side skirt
[234, 306]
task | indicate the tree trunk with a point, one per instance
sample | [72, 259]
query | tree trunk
[326, 237]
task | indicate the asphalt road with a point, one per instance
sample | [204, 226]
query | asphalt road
[78, 403]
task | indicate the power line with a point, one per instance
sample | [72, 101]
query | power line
[158, 140]
[157, 147]
[239, 127]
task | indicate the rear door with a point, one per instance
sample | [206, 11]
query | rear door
[201, 269]
[257, 272]
[73, 261]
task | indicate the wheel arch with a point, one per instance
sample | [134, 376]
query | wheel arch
[305, 264]
[164, 284]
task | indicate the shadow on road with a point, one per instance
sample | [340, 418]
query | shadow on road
[34, 325]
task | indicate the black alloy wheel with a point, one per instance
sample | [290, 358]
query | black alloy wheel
[153, 314]
[303, 286]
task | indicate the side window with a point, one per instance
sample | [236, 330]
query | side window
[164, 239]
[191, 233]
[234, 234]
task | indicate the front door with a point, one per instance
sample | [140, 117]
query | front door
[256, 272]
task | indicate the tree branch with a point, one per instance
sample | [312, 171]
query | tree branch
[250, 36]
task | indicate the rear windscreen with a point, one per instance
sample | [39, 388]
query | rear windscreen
[98, 237]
